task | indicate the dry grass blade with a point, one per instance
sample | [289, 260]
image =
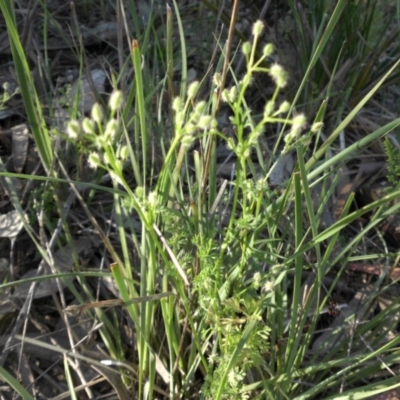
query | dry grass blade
[118, 302]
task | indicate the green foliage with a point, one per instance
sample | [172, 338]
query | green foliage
[359, 43]
[7, 95]
[246, 263]
[393, 157]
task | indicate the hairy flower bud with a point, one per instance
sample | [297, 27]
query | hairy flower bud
[268, 49]
[177, 104]
[217, 79]
[258, 28]
[269, 109]
[205, 121]
[279, 75]
[93, 160]
[192, 89]
[73, 129]
[246, 48]
[317, 126]
[111, 129]
[97, 113]
[283, 108]
[88, 126]
[115, 101]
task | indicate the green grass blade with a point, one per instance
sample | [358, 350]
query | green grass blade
[32, 103]
[295, 324]
[69, 379]
[15, 384]
[140, 105]
[337, 12]
[234, 358]
[321, 151]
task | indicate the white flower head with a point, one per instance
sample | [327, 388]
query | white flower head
[205, 121]
[124, 153]
[200, 107]
[115, 101]
[268, 287]
[258, 28]
[279, 75]
[190, 128]
[299, 122]
[97, 113]
[177, 104]
[93, 160]
[179, 119]
[153, 199]
[217, 80]
[225, 96]
[88, 126]
[73, 129]
[232, 94]
[192, 89]
[111, 129]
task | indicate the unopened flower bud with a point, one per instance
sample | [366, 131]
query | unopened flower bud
[269, 109]
[283, 108]
[268, 49]
[177, 104]
[317, 126]
[124, 152]
[246, 48]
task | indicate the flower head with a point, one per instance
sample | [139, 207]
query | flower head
[73, 129]
[317, 126]
[283, 108]
[93, 160]
[258, 28]
[115, 101]
[111, 129]
[269, 108]
[268, 49]
[97, 113]
[88, 126]
[192, 89]
[279, 75]
[217, 79]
